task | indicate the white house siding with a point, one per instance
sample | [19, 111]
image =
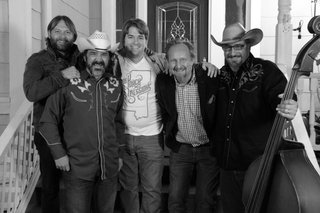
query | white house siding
[23, 30]
[300, 10]
[4, 64]
[77, 11]
[4, 47]
[269, 13]
[36, 26]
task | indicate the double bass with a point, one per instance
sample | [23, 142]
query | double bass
[283, 180]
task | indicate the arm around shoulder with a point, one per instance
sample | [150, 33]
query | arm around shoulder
[39, 80]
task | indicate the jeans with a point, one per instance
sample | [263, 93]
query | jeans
[182, 165]
[231, 183]
[50, 176]
[143, 159]
[83, 195]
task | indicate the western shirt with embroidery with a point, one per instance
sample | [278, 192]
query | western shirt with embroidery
[246, 108]
[83, 121]
[190, 123]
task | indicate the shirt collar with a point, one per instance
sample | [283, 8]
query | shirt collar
[191, 82]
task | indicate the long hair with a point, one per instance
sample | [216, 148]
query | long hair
[54, 22]
[139, 24]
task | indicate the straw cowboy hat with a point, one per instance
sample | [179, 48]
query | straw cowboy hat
[97, 41]
[236, 32]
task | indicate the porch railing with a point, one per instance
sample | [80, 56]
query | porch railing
[19, 162]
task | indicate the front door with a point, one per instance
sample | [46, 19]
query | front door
[187, 19]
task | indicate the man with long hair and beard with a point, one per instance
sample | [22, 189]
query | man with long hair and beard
[45, 73]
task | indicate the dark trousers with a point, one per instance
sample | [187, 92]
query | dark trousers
[231, 183]
[182, 164]
[50, 176]
[84, 195]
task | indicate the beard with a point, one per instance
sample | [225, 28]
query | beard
[62, 45]
[234, 61]
[181, 69]
[182, 74]
[96, 68]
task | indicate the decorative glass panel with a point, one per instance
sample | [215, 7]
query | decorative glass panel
[176, 20]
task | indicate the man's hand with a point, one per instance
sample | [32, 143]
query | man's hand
[70, 73]
[287, 108]
[120, 164]
[213, 71]
[63, 163]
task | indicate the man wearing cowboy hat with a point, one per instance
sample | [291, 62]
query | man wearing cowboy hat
[248, 100]
[82, 125]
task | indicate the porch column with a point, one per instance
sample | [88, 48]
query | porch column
[108, 18]
[284, 37]
[142, 10]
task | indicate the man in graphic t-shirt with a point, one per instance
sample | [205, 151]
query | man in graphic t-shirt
[143, 140]
[140, 110]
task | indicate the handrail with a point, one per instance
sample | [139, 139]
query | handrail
[19, 162]
[15, 122]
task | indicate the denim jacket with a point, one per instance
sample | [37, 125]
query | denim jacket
[207, 89]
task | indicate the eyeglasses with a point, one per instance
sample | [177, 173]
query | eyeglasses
[236, 47]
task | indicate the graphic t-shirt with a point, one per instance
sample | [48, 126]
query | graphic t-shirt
[141, 112]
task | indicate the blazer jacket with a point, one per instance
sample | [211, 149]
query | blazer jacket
[166, 96]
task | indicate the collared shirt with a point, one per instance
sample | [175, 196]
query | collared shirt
[89, 113]
[246, 108]
[190, 123]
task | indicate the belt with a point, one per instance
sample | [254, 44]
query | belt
[190, 145]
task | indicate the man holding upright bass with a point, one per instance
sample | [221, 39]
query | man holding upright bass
[247, 103]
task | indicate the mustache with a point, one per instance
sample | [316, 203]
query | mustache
[59, 39]
[65, 40]
[101, 63]
[232, 56]
[179, 68]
